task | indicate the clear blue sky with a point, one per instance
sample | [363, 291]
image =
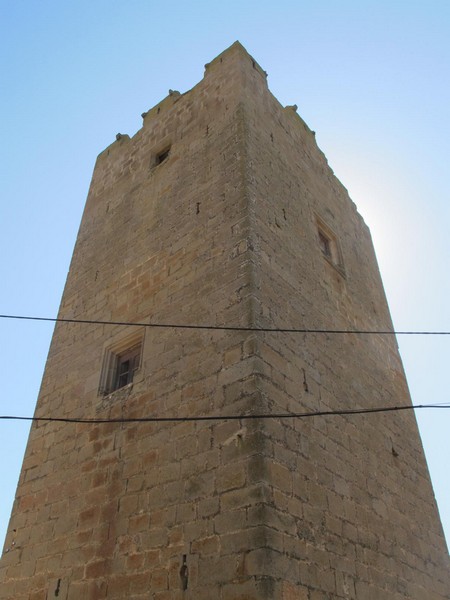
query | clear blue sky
[371, 78]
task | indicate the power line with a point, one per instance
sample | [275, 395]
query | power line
[320, 413]
[223, 327]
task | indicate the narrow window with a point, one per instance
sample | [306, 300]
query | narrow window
[329, 245]
[162, 156]
[325, 244]
[127, 364]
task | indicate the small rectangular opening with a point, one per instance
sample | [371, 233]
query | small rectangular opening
[121, 362]
[329, 245]
[127, 363]
[162, 156]
[325, 244]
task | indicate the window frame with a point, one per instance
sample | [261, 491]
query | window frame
[329, 245]
[115, 355]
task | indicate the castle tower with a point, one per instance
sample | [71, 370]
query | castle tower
[222, 211]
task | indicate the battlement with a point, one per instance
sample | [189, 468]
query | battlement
[228, 65]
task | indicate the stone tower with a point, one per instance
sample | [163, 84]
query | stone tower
[222, 211]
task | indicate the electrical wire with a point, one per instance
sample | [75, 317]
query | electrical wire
[320, 413]
[224, 327]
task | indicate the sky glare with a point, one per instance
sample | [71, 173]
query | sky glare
[371, 78]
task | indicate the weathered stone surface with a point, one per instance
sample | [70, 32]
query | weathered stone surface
[243, 223]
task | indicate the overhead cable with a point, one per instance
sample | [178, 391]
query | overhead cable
[224, 327]
[303, 415]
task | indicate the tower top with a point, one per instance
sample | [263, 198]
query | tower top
[237, 48]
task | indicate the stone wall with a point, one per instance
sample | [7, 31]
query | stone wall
[225, 230]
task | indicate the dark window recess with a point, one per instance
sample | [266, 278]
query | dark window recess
[329, 245]
[161, 157]
[127, 364]
[325, 244]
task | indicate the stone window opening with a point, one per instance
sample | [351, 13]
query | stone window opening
[325, 244]
[162, 156]
[329, 245]
[127, 364]
[121, 363]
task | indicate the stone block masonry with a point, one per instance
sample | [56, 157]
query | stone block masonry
[222, 210]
